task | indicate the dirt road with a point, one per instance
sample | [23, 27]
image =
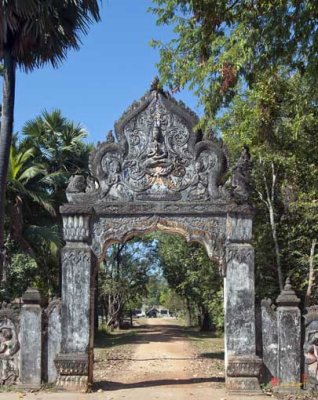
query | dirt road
[160, 363]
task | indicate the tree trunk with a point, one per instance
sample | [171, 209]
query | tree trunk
[206, 322]
[276, 245]
[311, 276]
[5, 140]
[188, 313]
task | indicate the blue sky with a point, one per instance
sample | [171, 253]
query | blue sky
[96, 84]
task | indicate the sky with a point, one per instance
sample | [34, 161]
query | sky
[95, 85]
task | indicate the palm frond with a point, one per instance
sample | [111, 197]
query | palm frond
[50, 234]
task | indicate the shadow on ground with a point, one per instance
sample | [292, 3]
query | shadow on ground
[158, 333]
[109, 385]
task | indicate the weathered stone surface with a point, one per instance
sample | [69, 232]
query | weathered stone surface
[243, 374]
[31, 339]
[270, 341]
[77, 260]
[76, 227]
[238, 228]
[73, 371]
[9, 344]
[54, 338]
[78, 272]
[289, 340]
[240, 319]
[208, 231]
[156, 173]
[239, 300]
[311, 348]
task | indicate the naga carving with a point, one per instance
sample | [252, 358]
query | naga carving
[157, 156]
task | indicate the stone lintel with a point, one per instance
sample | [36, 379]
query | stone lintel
[157, 207]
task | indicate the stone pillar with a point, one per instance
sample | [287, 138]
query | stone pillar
[75, 362]
[31, 340]
[289, 340]
[243, 366]
[54, 338]
[269, 341]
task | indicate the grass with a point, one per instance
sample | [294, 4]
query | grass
[118, 337]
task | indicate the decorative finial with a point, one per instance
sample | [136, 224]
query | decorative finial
[110, 137]
[287, 286]
[155, 85]
[287, 296]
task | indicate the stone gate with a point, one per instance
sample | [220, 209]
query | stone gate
[158, 173]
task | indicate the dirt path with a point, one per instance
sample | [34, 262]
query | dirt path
[160, 363]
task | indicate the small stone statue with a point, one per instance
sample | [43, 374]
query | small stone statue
[110, 137]
[241, 176]
[90, 185]
[76, 184]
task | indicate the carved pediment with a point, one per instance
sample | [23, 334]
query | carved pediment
[157, 156]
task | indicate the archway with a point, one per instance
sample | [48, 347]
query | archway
[158, 175]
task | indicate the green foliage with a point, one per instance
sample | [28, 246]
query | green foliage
[123, 278]
[21, 275]
[253, 67]
[39, 167]
[191, 274]
[36, 31]
[278, 118]
[218, 47]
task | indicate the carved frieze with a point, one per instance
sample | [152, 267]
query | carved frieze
[76, 227]
[74, 257]
[211, 232]
[72, 364]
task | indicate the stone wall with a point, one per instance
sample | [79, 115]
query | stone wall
[281, 335]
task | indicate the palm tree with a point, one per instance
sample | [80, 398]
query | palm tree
[24, 184]
[59, 146]
[34, 32]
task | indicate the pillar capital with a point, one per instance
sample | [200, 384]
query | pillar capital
[76, 227]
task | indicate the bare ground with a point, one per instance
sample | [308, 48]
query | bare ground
[158, 360]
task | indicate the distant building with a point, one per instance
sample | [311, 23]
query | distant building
[157, 312]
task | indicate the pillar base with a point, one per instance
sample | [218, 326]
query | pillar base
[242, 375]
[72, 371]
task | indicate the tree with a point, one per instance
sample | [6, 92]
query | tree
[221, 46]
[34, 32]
[192, 275]
[58, 145]
[277, 118]
[123, 278]
[24, 183]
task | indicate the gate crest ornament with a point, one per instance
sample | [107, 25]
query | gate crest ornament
[157, 156]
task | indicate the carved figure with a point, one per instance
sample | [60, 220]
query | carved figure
[9, 344]
[76, 184]
[311, 348]
[311, 360]
[90, 185]
[159, 156]
[241, 176]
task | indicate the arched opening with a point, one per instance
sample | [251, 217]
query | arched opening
[157, 173]
[160, 350]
